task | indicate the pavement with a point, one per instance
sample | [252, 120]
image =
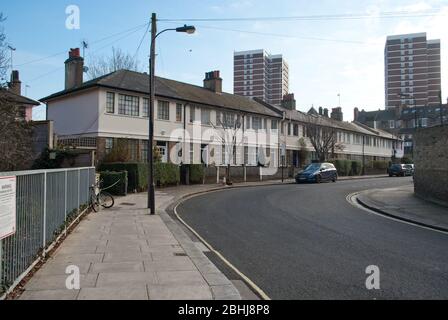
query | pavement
[402, 203]
[308, 242]
[124, 253]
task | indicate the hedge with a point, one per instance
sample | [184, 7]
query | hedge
[166, 174]
[380, 164]
[137, 173]
[347, 167]
[110, 178]
[196, 173]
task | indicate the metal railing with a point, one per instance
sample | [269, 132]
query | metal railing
[46, 202]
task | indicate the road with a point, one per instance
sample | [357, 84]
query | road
[308, 242]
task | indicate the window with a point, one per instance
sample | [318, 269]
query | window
[145, 111]
[296, 130]
[192, 112]
[132, 145]
[163, 110]
[256, 123]
[391, 124]
[109, 145]
[205, 116]
[247, 122]
[191, 153]
[274, 124]
[128, 105]
[179, 112]
[289, 129]
[144, 150]
[229, 119]
[110, 104]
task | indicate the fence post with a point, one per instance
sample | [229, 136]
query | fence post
[79, 183]
[65, 205]
[1, 266]
[45, 214]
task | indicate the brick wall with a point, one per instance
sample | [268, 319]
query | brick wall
[431, 165]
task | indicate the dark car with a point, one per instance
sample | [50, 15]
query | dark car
[318, 172]
[400, 170]
[410, 167]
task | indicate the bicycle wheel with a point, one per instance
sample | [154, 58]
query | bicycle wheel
[106, 200]
[94, 203]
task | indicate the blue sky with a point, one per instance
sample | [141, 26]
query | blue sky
[349, 63]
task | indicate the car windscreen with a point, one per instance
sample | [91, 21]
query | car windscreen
[312, 167]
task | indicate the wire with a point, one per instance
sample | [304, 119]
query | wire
[94, 42]
[141, 41]
[393, 14]
[278, 35]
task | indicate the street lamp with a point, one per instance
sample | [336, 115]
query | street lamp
[154, 35]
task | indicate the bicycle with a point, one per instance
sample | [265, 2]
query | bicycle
[99, 197]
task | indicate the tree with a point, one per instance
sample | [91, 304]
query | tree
[323, 137]
[303, 152]
[15, 137]
[99, 66]
[4, 59]
[15, 134]
[228, 126]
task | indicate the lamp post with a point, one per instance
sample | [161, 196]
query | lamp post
[154, 35]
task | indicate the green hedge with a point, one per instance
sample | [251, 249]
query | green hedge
[137, 173]
[196, 173]
[166, 174]
[109, 178]
[380, 164]
[347, 167]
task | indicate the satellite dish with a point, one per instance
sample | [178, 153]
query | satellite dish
[85, 69]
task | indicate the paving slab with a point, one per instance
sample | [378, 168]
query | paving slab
[114, 267]
[179, 292]
[135, 293]
[125, 279]
[402, 203]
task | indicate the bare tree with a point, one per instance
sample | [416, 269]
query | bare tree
[99, 66]
[228, 126]
[4, 59]
[323, 137]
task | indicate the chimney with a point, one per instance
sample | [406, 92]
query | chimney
[213, 81]
[321, 111]
[355, 114]
[326, 112]
[74, 69]
[15, 85]
[336, 114]
[288, 101]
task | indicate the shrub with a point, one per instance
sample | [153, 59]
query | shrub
[166, 174]
[110, 178]
[356, 168]
[380, 164]
[137, 173]
[343, 166]
[196, 173]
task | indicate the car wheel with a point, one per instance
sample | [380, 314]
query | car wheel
[318, 179]
[390, 175]
[335, 178]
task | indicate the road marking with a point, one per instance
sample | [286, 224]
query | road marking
[351, 198]
[256, 288]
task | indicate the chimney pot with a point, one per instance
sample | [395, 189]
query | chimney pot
[74, 69]
[213, 81]
[15, 85]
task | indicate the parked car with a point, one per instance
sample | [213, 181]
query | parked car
[410, 167]
[318, 172]
[399, 170]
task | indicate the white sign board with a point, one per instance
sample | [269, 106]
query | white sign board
[283, 149]
[7, 206]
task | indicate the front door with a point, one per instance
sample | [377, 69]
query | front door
[162, 146]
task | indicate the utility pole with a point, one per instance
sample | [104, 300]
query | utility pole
[363, 156]
[151, 191]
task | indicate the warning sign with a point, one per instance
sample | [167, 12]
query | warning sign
[7, 206]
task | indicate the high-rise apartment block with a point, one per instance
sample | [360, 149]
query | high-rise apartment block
[261, 75]
[412, 70]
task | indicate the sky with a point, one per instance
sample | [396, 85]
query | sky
[326, 57]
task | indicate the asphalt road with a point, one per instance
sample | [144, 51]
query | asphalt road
[308, 242]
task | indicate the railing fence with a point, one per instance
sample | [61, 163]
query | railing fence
[47, 200]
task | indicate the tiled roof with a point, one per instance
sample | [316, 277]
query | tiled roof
[139, 83]
[15, 98]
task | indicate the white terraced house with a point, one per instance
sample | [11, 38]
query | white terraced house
[188, 121]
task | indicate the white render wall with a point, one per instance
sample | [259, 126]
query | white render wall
[75, 114]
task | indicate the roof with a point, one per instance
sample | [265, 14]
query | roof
[16, 98]
[296, 115]
[379, 115]
[139, 83]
